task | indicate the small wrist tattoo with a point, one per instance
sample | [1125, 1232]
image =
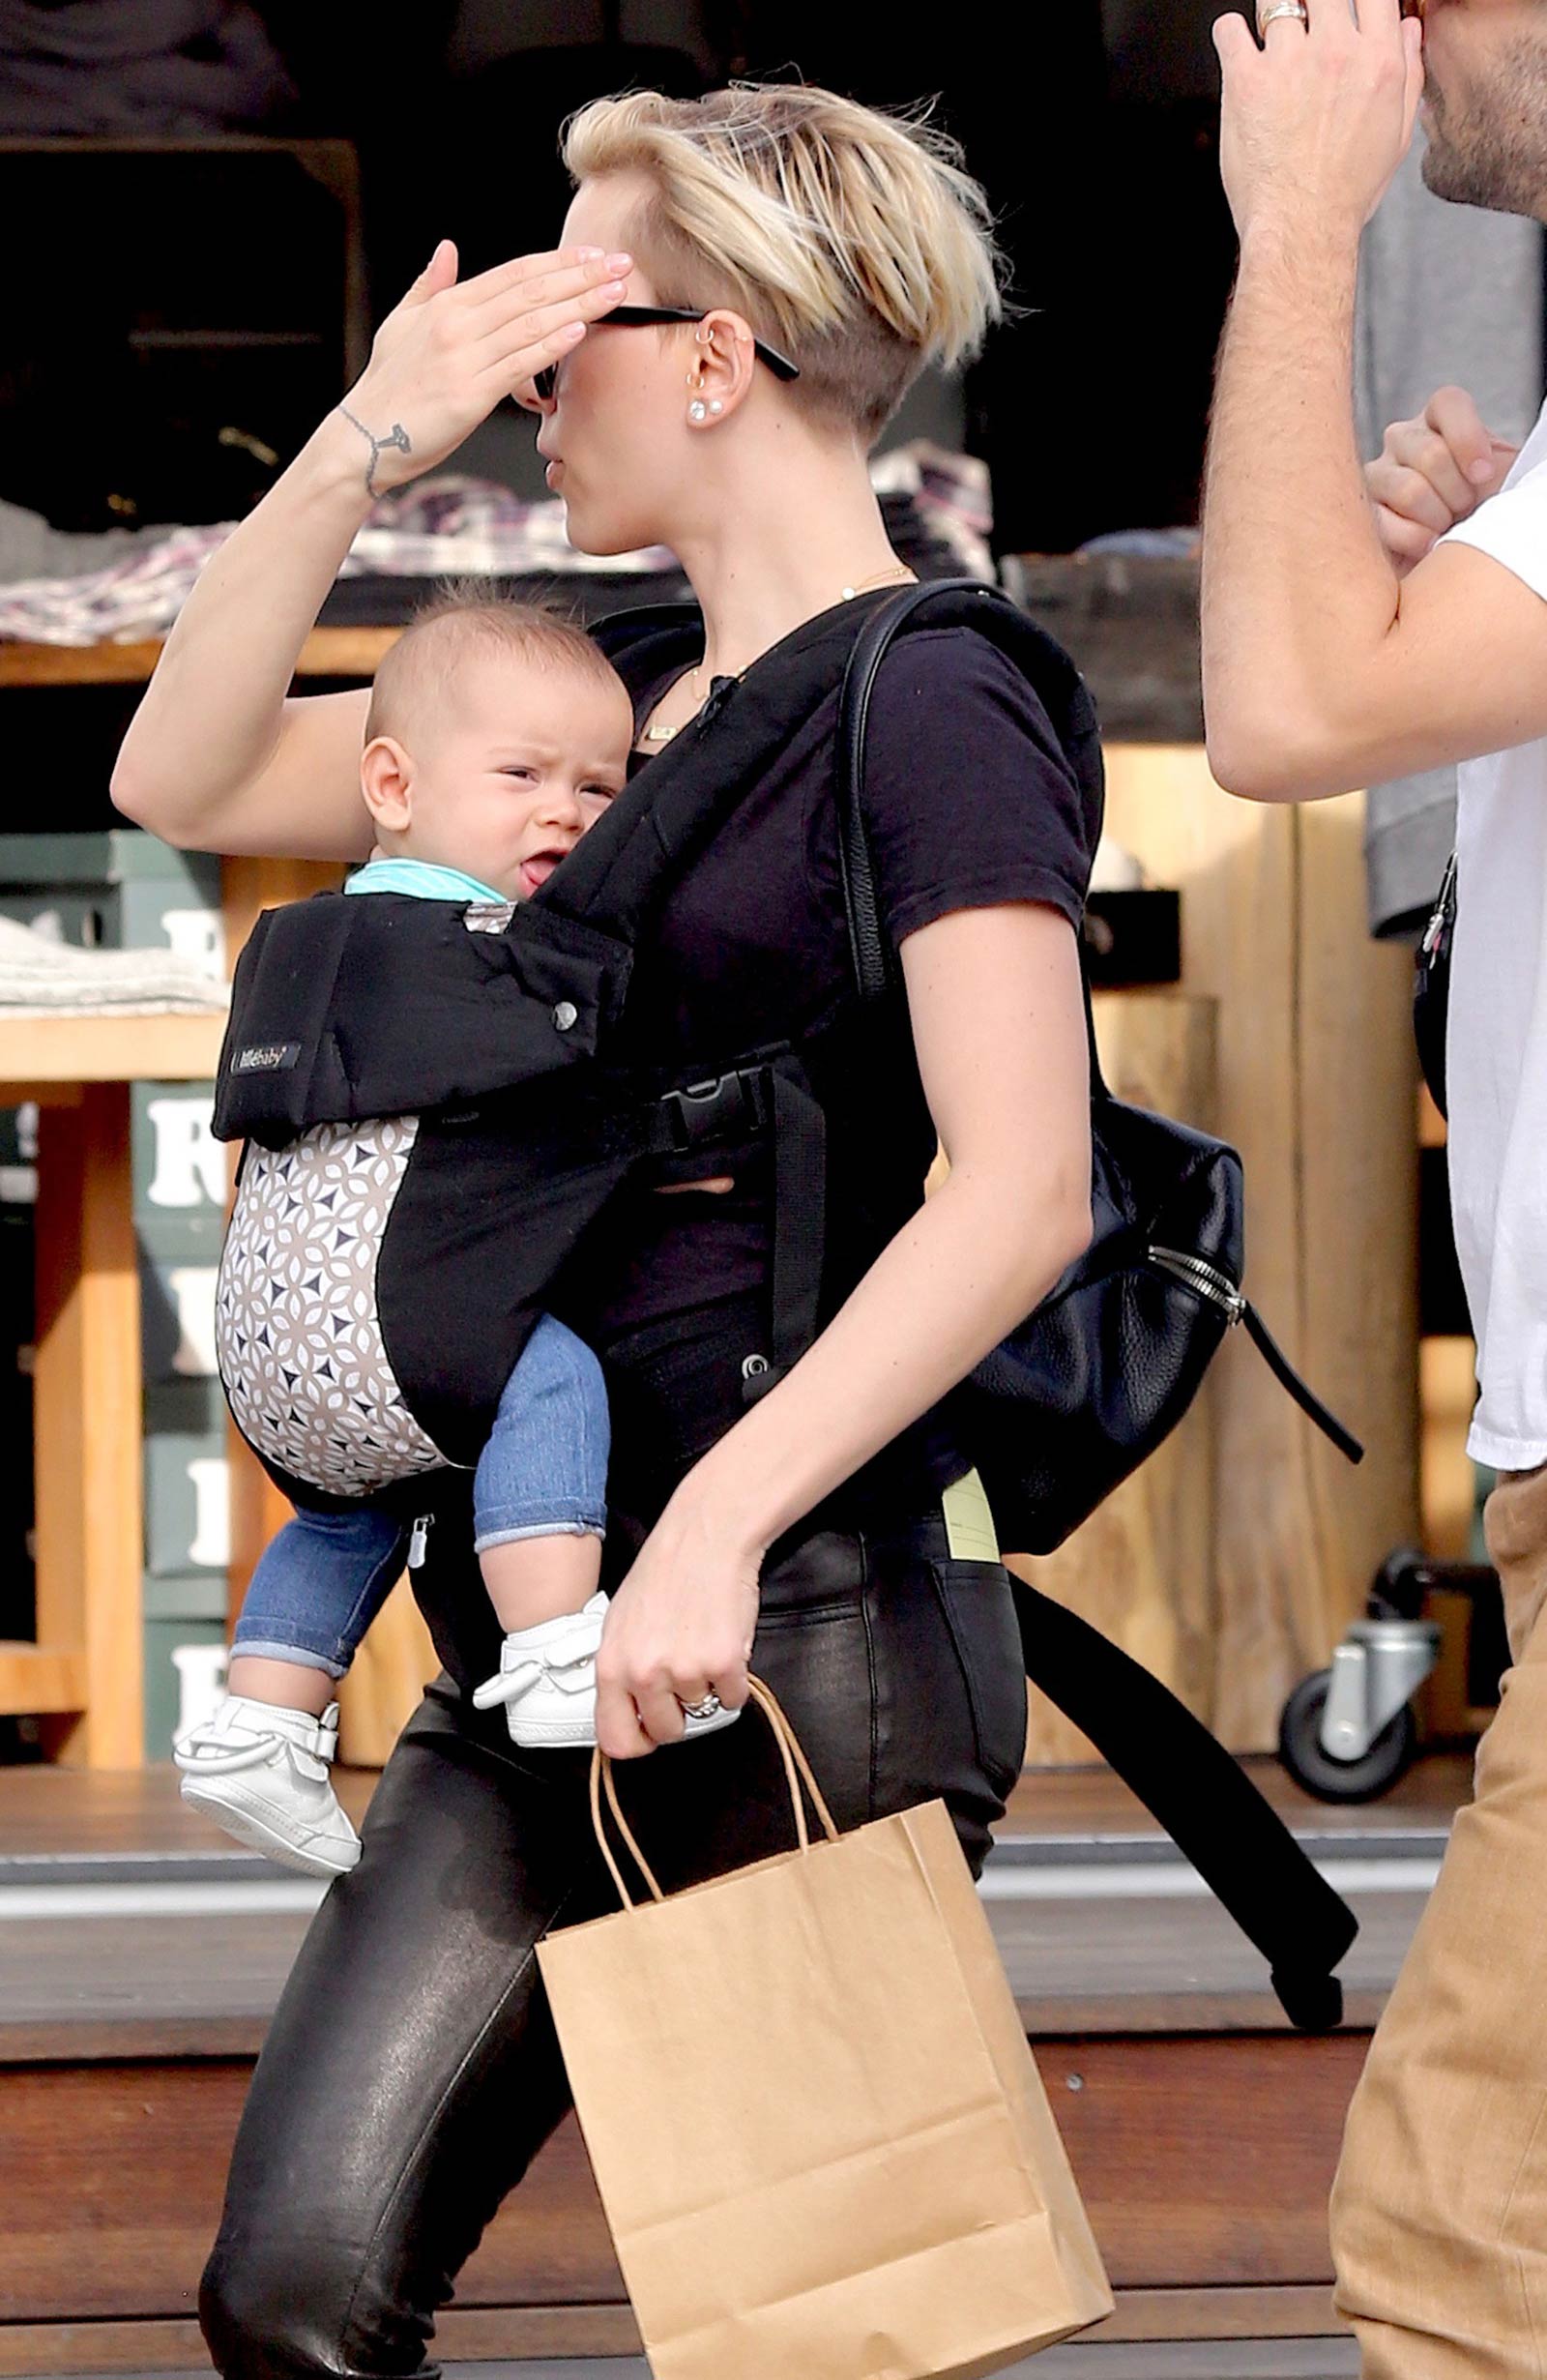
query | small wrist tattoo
[397, 439]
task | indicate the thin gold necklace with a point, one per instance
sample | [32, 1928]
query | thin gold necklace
[893, 569]
[656, 734]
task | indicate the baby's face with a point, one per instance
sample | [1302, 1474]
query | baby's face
[517, 761]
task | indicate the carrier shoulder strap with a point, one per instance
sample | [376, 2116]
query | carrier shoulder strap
[619, 871]
[1179, 1769]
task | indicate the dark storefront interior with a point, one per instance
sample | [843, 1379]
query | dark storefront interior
[1091, 120]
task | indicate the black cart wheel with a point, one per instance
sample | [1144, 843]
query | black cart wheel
[1300, 1748]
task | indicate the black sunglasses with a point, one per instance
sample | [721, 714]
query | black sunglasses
[632, 317]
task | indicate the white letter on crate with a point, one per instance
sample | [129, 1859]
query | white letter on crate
[198, 936]
[200, 1683]
[192, 1288]
[189, 1162]
[211, 1478]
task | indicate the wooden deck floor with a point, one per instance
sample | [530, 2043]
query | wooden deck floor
[49, 1810]
[142, 1954]
[1122, 1947]
[206, 1979]
[1092, 1801]
[1278, 2358]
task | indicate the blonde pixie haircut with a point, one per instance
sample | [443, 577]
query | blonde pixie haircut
[854, 241]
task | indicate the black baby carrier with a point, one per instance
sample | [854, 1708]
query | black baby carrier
[440, 1099]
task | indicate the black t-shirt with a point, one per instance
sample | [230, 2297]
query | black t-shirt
[969, 803]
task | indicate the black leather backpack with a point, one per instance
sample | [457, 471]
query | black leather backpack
[1094, 1380]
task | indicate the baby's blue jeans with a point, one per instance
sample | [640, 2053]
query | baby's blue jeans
[542, 1472]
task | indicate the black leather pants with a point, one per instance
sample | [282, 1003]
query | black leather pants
[412, 2072]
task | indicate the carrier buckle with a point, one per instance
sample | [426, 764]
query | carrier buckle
[713, 1110]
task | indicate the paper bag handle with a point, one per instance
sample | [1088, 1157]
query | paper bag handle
[789, 1752]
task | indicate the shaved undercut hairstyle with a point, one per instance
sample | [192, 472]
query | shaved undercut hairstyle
[459, 619]
[854, 241]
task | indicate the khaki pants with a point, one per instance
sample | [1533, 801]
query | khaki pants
[1439, 2207]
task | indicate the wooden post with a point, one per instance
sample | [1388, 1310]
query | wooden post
[90, 1531]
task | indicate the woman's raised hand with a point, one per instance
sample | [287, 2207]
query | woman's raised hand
[1432, 472]
[450, 350]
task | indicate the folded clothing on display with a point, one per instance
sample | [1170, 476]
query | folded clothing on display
[39, 977]
[448, 526]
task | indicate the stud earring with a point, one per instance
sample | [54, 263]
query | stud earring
[698, 411]
[715, 406]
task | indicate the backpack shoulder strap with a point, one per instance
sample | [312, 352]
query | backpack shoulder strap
[950, 603]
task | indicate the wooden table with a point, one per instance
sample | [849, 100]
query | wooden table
[327, 652]
[84, 1673]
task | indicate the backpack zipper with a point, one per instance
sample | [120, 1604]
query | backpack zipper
[1195, 1273]
[1443, 913]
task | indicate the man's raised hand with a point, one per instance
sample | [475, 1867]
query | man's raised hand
[1317, 117]
[1432, 472]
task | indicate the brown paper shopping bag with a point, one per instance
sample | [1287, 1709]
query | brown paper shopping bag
[817, 2131]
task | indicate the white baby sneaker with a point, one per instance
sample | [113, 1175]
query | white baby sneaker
[261, 1773]
[547, 1682]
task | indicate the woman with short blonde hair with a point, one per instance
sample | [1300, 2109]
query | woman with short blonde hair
[748, 285]
[852, 239]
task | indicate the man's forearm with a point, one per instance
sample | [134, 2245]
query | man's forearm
[1299, 596]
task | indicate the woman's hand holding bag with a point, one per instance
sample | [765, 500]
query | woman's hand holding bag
[680, 1627]
[450, 350]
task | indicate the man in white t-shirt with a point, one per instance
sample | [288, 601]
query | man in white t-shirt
[1359, 628]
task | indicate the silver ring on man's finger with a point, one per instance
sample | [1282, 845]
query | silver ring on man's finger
[1283, 7]
[701, 1710]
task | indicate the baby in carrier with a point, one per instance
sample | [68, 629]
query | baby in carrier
[497, 734]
